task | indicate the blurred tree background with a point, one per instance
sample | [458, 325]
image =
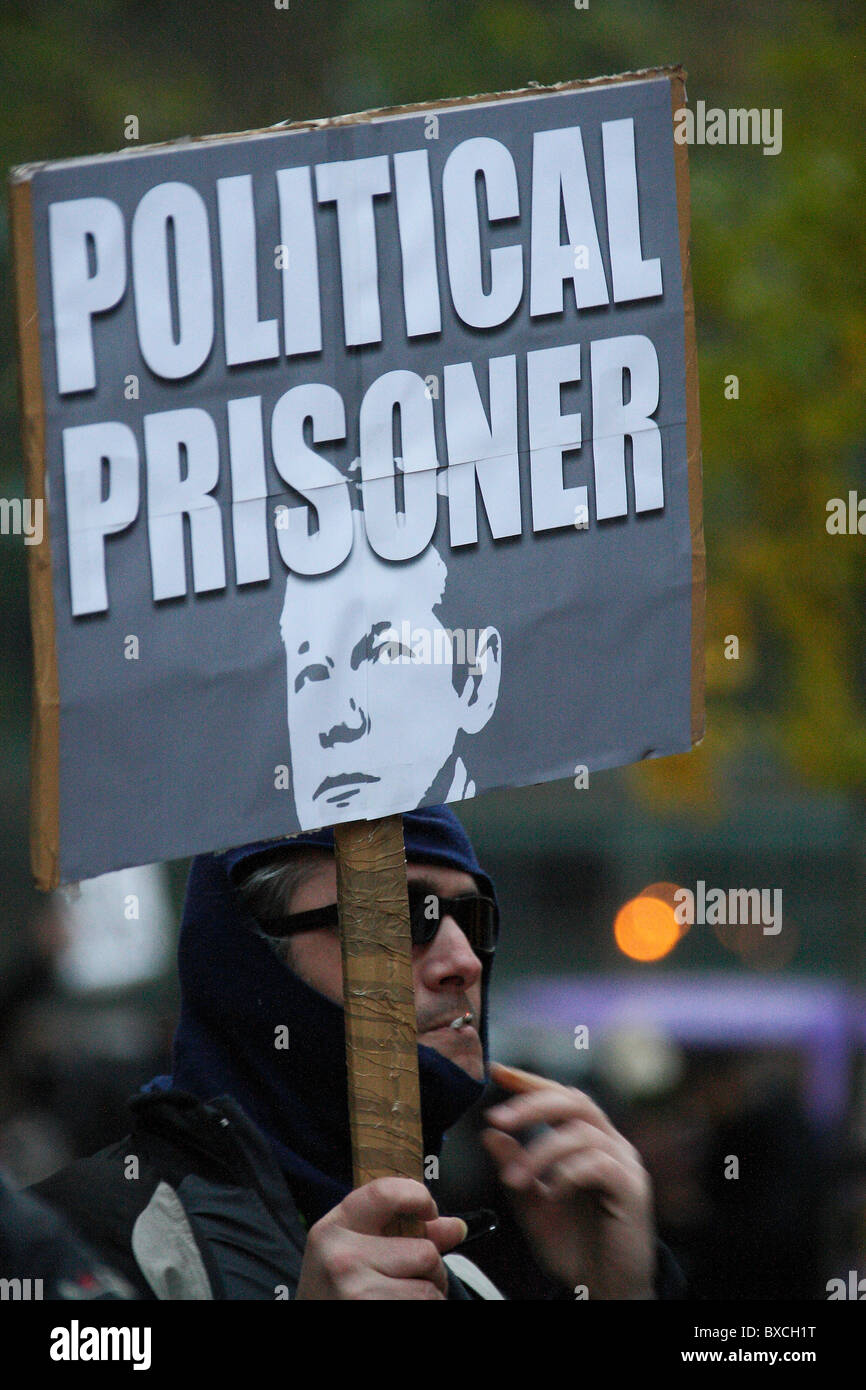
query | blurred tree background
[779, 265]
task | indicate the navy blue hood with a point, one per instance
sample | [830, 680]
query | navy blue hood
[236, 993]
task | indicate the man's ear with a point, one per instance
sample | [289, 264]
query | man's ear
[481, 691]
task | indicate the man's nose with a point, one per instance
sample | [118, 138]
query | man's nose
[355, 725]
[450, 954]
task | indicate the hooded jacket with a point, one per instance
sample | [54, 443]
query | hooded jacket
[247, 1144]
[232, 1158]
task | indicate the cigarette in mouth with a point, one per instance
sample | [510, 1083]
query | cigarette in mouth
[462, 1021]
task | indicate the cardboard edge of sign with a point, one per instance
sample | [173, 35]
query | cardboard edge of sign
[693, 425]
[45, 731]
[24, 172]
[45, 725]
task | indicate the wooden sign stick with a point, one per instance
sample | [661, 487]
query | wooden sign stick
[379, 1004]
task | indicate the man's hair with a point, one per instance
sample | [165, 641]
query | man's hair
[266, 891]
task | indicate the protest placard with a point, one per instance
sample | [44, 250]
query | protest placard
[370, 455]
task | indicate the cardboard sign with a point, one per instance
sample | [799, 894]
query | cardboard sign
[370, 456]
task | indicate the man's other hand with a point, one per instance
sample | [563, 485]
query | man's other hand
[579, 1189]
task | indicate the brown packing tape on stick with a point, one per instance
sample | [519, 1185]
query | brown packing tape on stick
[693, 422]
[45, 731]
[379, 1005]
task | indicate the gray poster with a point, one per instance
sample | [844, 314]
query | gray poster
[365, 467]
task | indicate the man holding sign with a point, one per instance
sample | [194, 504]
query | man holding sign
[413, 382]
[266, 1030]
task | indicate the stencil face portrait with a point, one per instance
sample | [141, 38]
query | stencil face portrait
[376, 704]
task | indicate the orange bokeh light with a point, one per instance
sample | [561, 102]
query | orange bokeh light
[666, 893]
[646, 928]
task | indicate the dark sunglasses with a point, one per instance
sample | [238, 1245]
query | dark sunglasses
[477, 918]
